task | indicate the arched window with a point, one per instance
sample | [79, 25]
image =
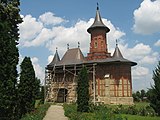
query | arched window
[95, 44]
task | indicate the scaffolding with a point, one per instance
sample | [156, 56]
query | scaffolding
[64, 77]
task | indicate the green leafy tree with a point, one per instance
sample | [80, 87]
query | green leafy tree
[27, 87]
[9, 36]
[143, 94]
[154, 92]
[83, 91]
[134, 97]
[137, 96]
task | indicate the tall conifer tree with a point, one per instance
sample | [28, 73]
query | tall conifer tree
[83, 91]
[9, 20]
[26, 87]
[154, 92]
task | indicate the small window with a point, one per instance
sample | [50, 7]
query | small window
[95, 44]
[101, 43]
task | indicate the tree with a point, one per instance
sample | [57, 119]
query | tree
[143, 94]
[27, 87]
[154, 92]
[135, 99]
[42, 95]
[37, 88]
[9, 36]
[83, 91]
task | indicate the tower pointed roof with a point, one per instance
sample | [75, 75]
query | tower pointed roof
[98, 23]
[56, 58]
[117, 53]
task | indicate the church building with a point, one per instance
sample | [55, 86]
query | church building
[110, 79]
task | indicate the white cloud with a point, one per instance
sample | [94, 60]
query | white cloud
[143, 82]
[141, 49]
[49, 18]
[78, 33]
[140, 71]
[150, 59]
[147, 17]
[157, 43]
[60, 36]
[29, 29]
[39, 71]
[50, 58]
[141, 78]
[114, 34]
[136, 53]
[71, 35]
[42, 37]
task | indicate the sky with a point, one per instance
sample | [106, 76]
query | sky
[55, 23]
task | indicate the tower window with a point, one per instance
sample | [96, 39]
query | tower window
[101, 43]
[95, 38]
[95, 44]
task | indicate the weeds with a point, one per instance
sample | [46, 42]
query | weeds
[38, 113]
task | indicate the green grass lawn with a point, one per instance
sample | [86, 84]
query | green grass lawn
[105, 113]
[136, 117]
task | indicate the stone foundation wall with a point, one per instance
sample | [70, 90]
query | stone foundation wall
[116, 100]
[121, 100]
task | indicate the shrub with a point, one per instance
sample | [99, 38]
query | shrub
[132, 110]
[37, 114]
[147, 111]
[97, 112]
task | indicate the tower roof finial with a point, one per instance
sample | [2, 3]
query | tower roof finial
[98, 23]
[78, 44]
[68, 46]
[116, 43]
[97, 6]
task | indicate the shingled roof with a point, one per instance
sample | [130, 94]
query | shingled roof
[72, 56]
[118, 57]
[56, 59]
[117, 53]
[98, 23]
[75, 56]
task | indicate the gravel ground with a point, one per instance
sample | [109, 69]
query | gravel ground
[55, 112]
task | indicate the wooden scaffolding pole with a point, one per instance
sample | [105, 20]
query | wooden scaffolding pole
[94, 85]
[45, 85]
[64, 70]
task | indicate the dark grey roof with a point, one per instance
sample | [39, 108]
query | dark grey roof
[75, 56]
[98, 23]
[56, 59]
[117, 53]
[72, 56]
[112, 60]
[118, 57]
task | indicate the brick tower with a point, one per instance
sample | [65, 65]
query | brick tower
[98, 44]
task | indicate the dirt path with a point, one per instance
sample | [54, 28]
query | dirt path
[55, 112]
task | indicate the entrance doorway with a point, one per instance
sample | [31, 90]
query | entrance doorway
[62, 95]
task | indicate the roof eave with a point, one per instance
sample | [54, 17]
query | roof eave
[90, 29]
